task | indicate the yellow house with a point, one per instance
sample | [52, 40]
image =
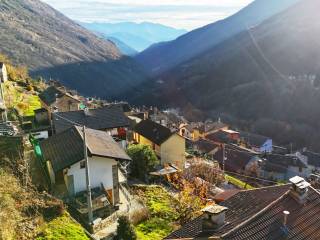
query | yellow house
[169, 146]
[193, 133]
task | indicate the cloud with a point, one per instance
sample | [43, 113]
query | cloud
[188, 14]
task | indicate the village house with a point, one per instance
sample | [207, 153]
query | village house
[41, 116]
[279, 212]
[109, 118]
[169, 146]
[64, 157]
[278, 167]
[236, 158]
[224, 136]
[195, 131]
[310, 159]
[206, 148]
[56, 99]
[191, 131]
[212, 127]
[256, 142]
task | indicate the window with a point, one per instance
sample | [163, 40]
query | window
[82, 164]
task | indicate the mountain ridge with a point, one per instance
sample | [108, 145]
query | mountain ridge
[35, 34]
[138, 36]
[266, 78]
[157, 60]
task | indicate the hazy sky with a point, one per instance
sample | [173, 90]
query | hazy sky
[187, 14]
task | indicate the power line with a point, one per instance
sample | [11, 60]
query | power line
[68, 120]
[263, 55]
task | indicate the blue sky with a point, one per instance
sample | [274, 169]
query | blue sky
[187, 14]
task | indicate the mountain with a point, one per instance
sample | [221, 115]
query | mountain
[266, 78]
[138, 36]
[124, 48]
[51, 45]
[168, 55]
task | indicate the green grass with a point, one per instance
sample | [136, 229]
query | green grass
[163, 215]
[19, 98]
[62, 228]
[238, 182]
[33, 103]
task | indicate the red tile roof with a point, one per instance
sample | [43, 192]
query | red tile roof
[242, 206]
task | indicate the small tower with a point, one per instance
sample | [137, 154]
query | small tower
[3, 73]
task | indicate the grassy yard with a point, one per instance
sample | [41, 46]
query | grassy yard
[238, 182]
[162, 214]
[61, 228]
[19, 98]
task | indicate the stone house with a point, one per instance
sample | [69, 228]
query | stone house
[56, 99]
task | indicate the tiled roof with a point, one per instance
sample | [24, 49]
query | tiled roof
[241, 207]
[205, 146]
[155, 132]
[214, 126]
[280, 163]
[237, 158]
[219, 136]
[108, 117]
[50, 95]
[66, 148]
[303, 221]
[253, 139]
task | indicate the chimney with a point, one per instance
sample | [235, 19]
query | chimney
[213, 217]
[86, 111]
[299, 189]
[285, 217]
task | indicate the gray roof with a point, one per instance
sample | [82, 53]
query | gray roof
[50, 95]
[108, 117]
[153, 131]
[254, 139]
[66, 148]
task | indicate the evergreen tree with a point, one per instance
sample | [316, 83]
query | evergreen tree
[125, 230]
[144, 160]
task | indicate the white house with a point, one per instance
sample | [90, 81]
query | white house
[64, 155]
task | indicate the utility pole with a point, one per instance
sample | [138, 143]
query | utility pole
[90, 214]
[5, 115]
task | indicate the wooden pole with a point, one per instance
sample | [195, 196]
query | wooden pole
[90, 214]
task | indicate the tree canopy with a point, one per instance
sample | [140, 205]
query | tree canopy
[144, 160]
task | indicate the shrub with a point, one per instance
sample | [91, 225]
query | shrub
[29, 88]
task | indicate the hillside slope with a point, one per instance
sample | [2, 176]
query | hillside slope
[33, 33]
[268, 75]
[163, 57]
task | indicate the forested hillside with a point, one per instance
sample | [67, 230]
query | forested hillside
[266, 77]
